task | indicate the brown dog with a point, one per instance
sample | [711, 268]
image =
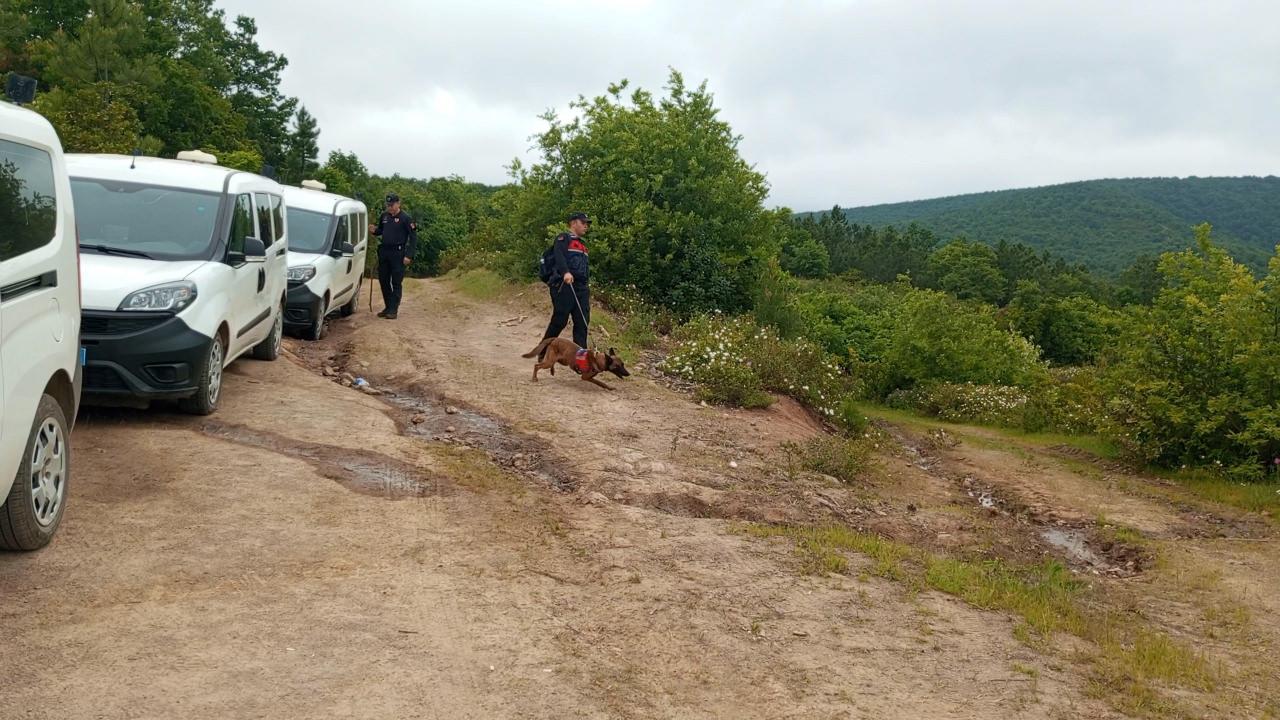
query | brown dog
[587, 363]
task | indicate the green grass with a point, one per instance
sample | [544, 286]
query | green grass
[1208, 485]
[1133, 665]
[1092, 444]
[845, 459]
[481, 284]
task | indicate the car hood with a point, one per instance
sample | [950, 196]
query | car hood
[105, 280]
[299, 259]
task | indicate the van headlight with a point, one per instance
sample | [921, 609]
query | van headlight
[301, 273]
[170, 297]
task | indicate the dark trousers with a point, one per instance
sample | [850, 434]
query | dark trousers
[391, 277]
[563, 307]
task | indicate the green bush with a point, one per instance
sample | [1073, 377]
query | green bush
[842, 458]
[761, 360]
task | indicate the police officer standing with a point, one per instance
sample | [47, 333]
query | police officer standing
[399, 235]
[570, 296]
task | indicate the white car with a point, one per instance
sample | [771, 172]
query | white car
[328, 236]
[184, 268]
[39, 330]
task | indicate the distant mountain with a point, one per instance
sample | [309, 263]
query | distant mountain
[1105, 224]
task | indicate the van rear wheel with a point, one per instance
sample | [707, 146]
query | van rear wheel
[269, 348]
[348, 309]
[205, 401]
[32, 512]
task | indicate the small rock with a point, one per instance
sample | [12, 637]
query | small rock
[418, 419]
[911, 507]
[595, 499]
[703, 403]
[451, 410]
[882, 513]
[348, 377]
[733, 464]
[799, 633]
[346, 382]
[370, 390]
[451, 429]
[328, 371]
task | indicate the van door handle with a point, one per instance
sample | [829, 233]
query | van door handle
[262, 279]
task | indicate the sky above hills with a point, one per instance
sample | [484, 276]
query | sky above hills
[849, 102]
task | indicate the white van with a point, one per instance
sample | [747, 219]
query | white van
[184, 268]
[328, 236]
[39, 329]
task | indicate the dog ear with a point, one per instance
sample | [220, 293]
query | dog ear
[612, 352]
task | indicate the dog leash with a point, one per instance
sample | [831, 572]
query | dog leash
[585, 321]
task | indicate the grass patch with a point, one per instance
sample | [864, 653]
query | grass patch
[1207, 485]
[481, 284]
[845, 459]
[472, 469]
[1133, 665]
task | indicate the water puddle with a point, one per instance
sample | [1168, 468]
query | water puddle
[360, 471]
[1074, 545]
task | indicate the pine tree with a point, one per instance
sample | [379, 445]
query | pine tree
[303, 149]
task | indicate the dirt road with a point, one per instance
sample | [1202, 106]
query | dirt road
[545, 550]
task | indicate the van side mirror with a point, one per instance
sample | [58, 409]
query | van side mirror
[254, 251]
[345, 249]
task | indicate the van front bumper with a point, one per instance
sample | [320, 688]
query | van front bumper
[147, 355]
[301, 307]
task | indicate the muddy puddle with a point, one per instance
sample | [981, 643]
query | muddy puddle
[440, 420]
[360, 471]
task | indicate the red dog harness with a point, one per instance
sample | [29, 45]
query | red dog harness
[582, 362]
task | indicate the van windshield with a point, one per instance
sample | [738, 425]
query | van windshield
[145, 220]
[309, 231]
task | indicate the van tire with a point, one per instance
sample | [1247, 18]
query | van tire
[269, 348]
[21, 525]
[209, 390]
[315, 330]
[349, 309]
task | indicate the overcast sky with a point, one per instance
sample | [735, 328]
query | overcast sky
[853, 102]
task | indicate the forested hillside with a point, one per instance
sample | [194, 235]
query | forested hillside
[1105, 224]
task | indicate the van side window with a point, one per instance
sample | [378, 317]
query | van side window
[277, 216]
[28, 200]
[363, 227]
[241, 223]
[265, 233]
[340, 232]
[353, 222]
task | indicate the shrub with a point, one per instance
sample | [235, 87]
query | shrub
[965, 402]
[761, 360]
[842, 458]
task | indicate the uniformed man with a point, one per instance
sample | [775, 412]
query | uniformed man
[399, 236]
[570, 296]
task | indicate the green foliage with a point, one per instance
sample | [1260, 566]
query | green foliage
[1105, 224]
[678, 213]
[937, 338]
[301, 149]
[93, 118]
[967, 270]
[247, 160]
[1193, 379]
[965, 403]
[734, 360]
[843, 458]
[1069, 330]
[155, 75]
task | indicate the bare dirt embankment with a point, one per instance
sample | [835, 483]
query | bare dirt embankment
[472, 544]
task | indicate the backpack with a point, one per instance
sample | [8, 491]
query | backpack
[547, 265]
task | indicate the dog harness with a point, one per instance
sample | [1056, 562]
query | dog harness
[582, 362]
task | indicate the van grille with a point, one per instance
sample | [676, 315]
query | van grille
[97, 377]
[100, 323]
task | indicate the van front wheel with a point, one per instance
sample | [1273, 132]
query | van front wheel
[205, 401]
[32, 512]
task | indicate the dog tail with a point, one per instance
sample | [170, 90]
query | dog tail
[541, 346]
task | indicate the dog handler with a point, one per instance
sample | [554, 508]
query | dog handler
[399, 235]
[570, 296]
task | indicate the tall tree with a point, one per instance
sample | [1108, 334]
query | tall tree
[303, 149]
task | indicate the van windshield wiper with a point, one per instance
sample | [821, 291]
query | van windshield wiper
[109, 250]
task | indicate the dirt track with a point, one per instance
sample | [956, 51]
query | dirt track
[310, 551]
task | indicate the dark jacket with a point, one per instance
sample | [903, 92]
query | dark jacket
[397, 231]
[571, 256]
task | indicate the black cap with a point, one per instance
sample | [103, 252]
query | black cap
[580, 216]
[392, 198]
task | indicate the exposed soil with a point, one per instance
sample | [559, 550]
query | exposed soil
[470, 544]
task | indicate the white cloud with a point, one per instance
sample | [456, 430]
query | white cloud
[851, 102]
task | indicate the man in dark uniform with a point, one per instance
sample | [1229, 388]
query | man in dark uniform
[570, 296]
[399, 236]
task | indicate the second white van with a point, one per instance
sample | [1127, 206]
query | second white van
[327, 242]
[183, 271]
